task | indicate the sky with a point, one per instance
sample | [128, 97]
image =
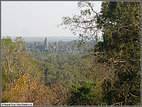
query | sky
[37, 18]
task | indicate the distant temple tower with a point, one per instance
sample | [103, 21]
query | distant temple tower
[56, 44]
[46, 45]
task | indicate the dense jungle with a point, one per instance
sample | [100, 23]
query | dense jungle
[87, 71]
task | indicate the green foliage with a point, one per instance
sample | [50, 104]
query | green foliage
[66, 69]
[82, 95]
[119, 48]
[15, 62]
[107, 74]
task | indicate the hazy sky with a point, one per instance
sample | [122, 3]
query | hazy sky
[37, 18]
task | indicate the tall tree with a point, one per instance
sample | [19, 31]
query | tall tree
[119, 47]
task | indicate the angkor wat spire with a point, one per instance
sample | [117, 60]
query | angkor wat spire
[46, 45]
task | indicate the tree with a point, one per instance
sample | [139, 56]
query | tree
[11, 51]
[119, 47]
[16, 62]
[82, 95]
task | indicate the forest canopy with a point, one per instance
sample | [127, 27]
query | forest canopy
[105, 73]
